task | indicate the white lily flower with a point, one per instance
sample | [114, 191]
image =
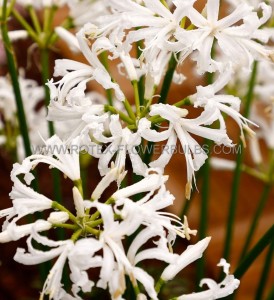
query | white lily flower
[147, 211]
[122, 141]
[216, 290]
[237, 42]
[181, 128]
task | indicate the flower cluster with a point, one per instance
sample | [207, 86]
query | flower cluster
[99, 232]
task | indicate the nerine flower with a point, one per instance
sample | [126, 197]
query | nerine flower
[227, 104]
[238, 43]
[98, 246]
[122, 142]
[80, 118]
[216, 290]
[82, 11]
[182, 128]
[76, 75]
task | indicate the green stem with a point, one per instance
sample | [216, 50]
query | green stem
[26, 26]
[265, 272]
[45, 76]
[159, 285]
[66, 226]
[136, 97]
[58, 206]
[76, 235]
[203, 215]
[258, 212]
[78, 183]
[237, 171]
[49, 13]
[168, 79]
[123, 116]
[254, 253]
[104, 61]
[129, 110]
[205, 194]
[35, 20]
[15, 82]
[270, 296]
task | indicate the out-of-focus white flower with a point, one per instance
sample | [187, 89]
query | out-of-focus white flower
[266, 124]
[16, 35]
[222, 164]
[181, 128]
[84, 11]
[32, 95]
[237, 42]
[216, 290]
[38, 4]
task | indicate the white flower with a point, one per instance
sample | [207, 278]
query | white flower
[227, 104]
[192, 253]
[122, 141]
[216, 290]
[80, 118]
[266, 124]
[32, 95]
[115, 264]
[147, 211]
[60, 249]
[67, 159]
[156, 27]
[181, 128]
[111, 176]
[237, 42]
[13, 232]
[83, 11]
[39, 4]
[82, 258]
[76, 75]
[222, 164]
